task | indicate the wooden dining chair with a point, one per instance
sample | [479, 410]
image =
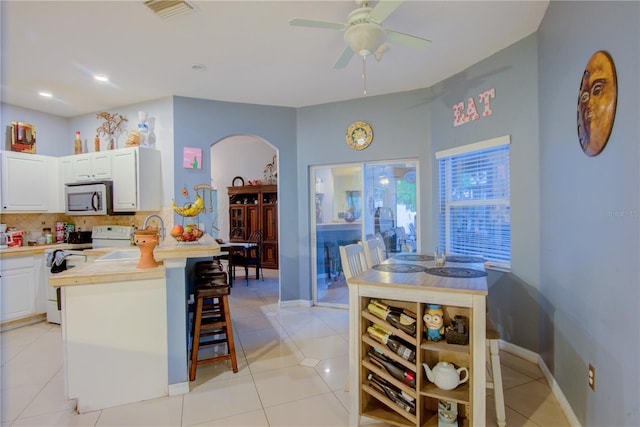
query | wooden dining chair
[374, 251]
[353, 260]
[252, 257]
[494, 377]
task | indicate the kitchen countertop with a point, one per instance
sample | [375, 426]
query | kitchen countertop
[126, 270]
[18, 251]
[105, 272]
[171, 248]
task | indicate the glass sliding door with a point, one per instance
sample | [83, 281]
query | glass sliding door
[353, 202]
[391, 200]
[337, 221]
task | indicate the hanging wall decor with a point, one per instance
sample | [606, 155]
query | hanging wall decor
[192, 158]
[597, 100]
[23, 137]
[359, 135]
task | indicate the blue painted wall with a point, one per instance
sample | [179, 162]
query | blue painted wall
[590, 215]
[201, 123]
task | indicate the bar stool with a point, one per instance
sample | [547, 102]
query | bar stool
[494, 379]
[212, 318]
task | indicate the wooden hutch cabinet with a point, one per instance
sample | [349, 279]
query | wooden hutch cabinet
[255, 207]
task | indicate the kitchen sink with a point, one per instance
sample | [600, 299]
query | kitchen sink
[121, 255]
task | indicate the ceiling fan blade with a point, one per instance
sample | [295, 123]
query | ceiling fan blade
[344, 58]
[383, 9]
[314, 23]
[407, 40]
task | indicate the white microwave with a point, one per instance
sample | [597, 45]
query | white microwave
[91, 198]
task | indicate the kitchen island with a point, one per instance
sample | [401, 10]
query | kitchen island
[411, 282]
[125, 329]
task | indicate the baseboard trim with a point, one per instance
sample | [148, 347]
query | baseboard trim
[178, 388]
[295, 303]
[533, 357]
[23, 321]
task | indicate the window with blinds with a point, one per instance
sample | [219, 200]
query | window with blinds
[475, 207]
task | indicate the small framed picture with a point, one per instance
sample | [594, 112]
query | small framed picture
[23, 137]
[192, 158]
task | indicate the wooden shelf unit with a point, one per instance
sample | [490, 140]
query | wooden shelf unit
[370, 403]
[255, 207]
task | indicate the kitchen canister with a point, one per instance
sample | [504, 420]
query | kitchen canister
[61, 228]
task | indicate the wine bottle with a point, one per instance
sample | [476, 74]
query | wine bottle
[402, 400]
[397, 345]
[398, 317]
[397, 371]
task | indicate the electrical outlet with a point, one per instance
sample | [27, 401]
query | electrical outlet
[592, 377]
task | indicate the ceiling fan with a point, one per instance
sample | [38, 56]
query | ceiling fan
[363, 33]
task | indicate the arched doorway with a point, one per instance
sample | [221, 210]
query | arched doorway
[244, 159]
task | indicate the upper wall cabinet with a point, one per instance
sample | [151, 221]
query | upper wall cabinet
[25, 182]
[87, 167]
[35, 183]
[135, 172]
[137, 179]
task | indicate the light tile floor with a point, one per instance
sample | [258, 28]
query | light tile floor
[292, 370]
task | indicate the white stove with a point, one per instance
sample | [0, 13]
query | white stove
[104, 236]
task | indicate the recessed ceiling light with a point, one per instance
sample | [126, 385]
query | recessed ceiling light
[199, 67]
[101, 78]
[45, 94]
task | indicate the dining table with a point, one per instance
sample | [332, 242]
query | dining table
[413, 280]
[231, 248]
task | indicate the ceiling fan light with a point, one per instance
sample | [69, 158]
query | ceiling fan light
[364, 38]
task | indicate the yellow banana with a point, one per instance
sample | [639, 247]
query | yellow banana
[192, 209]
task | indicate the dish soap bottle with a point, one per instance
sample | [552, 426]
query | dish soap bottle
[77, 145]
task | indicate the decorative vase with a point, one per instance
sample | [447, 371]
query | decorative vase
[146, 240]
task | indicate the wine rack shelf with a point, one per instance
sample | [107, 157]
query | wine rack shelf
[388, 353]
[370, 401]
[402, 386]
[395, 331]
[390, 404]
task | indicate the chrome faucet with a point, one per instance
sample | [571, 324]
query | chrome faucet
[162, 229]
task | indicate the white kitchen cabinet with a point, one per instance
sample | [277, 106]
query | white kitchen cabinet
[66, 169]
[91, 166]
[18, 280]
[137, 181]
[24, 182]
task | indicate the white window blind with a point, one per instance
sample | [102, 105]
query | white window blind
[475, 206]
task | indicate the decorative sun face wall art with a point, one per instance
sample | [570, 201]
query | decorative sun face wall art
[192, 158]
[597, 102]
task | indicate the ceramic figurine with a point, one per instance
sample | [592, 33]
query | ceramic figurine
[434, 322]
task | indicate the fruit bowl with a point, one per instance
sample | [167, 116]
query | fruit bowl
[188, 233]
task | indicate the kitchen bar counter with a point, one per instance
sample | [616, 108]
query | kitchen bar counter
[105, 272]
[117, 290]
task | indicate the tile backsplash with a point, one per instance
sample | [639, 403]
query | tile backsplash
[34, 223]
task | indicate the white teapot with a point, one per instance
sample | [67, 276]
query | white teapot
[445, 376]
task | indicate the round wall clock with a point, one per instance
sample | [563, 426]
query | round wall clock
[597, 101]
[359, 135]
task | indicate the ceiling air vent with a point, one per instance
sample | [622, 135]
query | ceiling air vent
[167, 8]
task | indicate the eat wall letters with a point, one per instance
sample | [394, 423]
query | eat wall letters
[460, 118]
